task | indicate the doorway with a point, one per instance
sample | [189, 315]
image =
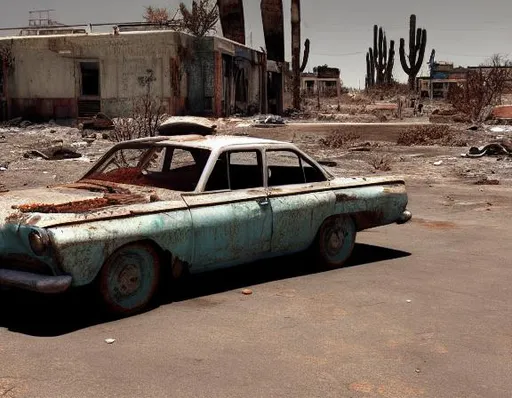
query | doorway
[89, 102]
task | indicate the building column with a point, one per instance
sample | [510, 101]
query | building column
[264, 83]
[5, 94]
[217, 99]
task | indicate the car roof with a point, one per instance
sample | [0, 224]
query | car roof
[210, 142]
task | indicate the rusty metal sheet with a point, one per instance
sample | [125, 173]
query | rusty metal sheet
[273, 28]
[231, 14]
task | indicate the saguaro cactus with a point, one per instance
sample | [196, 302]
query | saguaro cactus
[380, 61]
[417, 44]
[297, 67]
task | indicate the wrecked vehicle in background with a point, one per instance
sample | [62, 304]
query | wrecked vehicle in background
[186, 203]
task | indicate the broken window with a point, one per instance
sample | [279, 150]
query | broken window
[172, 168]
[285, 167]
[90, 72]
[236, 170]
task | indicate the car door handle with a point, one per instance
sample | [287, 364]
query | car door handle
[263, 202]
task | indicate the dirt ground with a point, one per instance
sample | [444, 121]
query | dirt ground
[421, 310]
[376, 153]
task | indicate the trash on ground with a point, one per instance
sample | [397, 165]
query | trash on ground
[268, 121]
[98, 122]
[180, 125]
[110, 341]
[487, 181]
[56, 152]
[496, 148]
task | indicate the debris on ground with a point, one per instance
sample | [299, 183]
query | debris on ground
[439, 163]
[110, 341]
[55, 152]
[246, 292]
[15, 122]
[328, 163]
[496, 148]
[268, 121]
[99, 122]
[364, 147]
[180, 125]
[487, 181]
[501, 129]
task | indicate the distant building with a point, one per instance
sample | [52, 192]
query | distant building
[324, 81]
[443, 76]
[79, 75]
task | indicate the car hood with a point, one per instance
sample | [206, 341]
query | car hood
[77, 203]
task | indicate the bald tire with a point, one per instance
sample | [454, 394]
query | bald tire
[335, 241]
[129, 279]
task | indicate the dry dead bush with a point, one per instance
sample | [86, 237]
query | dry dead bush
[147, 114]
[483, 89]
[380, 162]
[199, 20]
[435, 134]
[339, 139]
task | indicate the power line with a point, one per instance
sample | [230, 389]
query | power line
[339, 55]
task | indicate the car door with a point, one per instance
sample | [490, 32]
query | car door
[300, 199]
[232, 219]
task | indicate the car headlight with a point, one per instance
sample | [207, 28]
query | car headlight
[39, 242]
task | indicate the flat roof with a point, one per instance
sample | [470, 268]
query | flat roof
[125, 33]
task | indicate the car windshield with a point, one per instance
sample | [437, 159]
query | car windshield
[168, 167]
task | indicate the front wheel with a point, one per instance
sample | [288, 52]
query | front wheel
[335, 241]
[129, 279]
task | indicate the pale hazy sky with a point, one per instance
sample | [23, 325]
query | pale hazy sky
[463, 31]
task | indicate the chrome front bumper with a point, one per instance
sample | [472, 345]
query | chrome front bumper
[35, 282]
[404, 217]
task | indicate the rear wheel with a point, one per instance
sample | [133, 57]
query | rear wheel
[129, 279]
[335, 242]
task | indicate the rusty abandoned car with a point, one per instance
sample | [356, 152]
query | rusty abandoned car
[185, 203]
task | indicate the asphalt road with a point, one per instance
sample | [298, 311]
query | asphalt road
[422, 310]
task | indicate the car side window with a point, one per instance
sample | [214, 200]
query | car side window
[236, 170]
[285, 167]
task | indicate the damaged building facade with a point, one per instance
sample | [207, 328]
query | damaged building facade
[79, 75]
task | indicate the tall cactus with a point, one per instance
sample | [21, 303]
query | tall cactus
[297, 67]
[417, 44]
[380, 61]
[370, 70]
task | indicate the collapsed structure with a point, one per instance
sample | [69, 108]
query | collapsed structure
[79, 75]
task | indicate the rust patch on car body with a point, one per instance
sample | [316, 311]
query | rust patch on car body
[342, 197]
[368, 219]
[82, 206]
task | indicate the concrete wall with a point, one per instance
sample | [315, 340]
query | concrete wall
[46, 74]
[46, 78]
